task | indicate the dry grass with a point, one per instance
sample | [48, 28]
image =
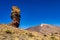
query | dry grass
[10, 33]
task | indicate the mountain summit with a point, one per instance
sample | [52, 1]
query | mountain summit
[46, 29]
[44, 25]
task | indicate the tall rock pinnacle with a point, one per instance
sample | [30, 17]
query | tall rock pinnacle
[15, 16]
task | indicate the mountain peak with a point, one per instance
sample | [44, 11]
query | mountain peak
[44, 25]
[46, 29]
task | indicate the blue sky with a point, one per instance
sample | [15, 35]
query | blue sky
[33, 12]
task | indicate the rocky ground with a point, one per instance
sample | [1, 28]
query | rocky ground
[8, 32]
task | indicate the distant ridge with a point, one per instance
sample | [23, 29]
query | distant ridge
[45, 29]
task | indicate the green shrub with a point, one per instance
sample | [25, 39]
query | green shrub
[8, 31]
[45, 35]
[53, 38]
[30, 35]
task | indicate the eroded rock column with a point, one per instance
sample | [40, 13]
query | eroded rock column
[15, 16]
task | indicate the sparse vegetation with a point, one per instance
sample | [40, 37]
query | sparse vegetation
[45, 35]
[53, 38]
[16, 34]
[56, 33]
[30, 35]
[8, 31]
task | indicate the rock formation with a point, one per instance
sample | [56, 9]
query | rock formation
[15, 16]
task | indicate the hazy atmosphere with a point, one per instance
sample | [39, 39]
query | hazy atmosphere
[33, 12]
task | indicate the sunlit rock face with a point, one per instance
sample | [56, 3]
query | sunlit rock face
[15, 16]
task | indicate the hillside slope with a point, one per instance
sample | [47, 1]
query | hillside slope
[46, 29]
[8, 32]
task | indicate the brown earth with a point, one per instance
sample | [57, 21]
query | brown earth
[45, 29]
